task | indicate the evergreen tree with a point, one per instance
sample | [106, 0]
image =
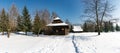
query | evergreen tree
[89, 26]
[19, 24]
[85, 27]
[3, 21]
[26, 20]
[5, 27]
[111, 26]
[106, 26]
[7, 24]
[117, 27]
[37, 24]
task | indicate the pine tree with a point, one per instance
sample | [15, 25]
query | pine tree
[111, 26]
[7, 24]
[3, 21]
[85, 27]
[5, 27]
[117, 27]
[19, 24]
[26, 20]
[106, 26]
[37, 24]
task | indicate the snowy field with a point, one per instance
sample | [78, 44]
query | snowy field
[72, 43]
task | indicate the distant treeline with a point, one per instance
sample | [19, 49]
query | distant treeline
[107, 26]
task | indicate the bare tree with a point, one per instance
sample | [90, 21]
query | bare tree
[98, 10]
[45, 18]
[13, 14]
[54, 14]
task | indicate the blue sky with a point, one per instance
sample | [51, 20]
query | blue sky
[66, 9]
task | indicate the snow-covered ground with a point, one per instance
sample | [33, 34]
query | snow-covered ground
[92, 43]
[72, 43]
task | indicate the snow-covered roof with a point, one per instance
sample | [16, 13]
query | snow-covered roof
[57, 18]
[57, 24]
[77, 28]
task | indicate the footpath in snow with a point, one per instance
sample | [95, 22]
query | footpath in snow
[72, 43]
[92, 43]
[30, 44]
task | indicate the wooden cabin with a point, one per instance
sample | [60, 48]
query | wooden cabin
[58, 27]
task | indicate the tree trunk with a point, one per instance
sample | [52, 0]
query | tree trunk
[37, 35]
[98, 29]
[98, 32]
[25, 32]
[8, 32]
[2, 32]
[97, 15]
[38, 32]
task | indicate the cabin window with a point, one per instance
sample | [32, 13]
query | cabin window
[56, 30]
[62, 28]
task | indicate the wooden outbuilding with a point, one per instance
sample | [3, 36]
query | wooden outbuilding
[77, 29]
[58, 27]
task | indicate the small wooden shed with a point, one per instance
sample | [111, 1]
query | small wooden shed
[58, 27]
[77, 29]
